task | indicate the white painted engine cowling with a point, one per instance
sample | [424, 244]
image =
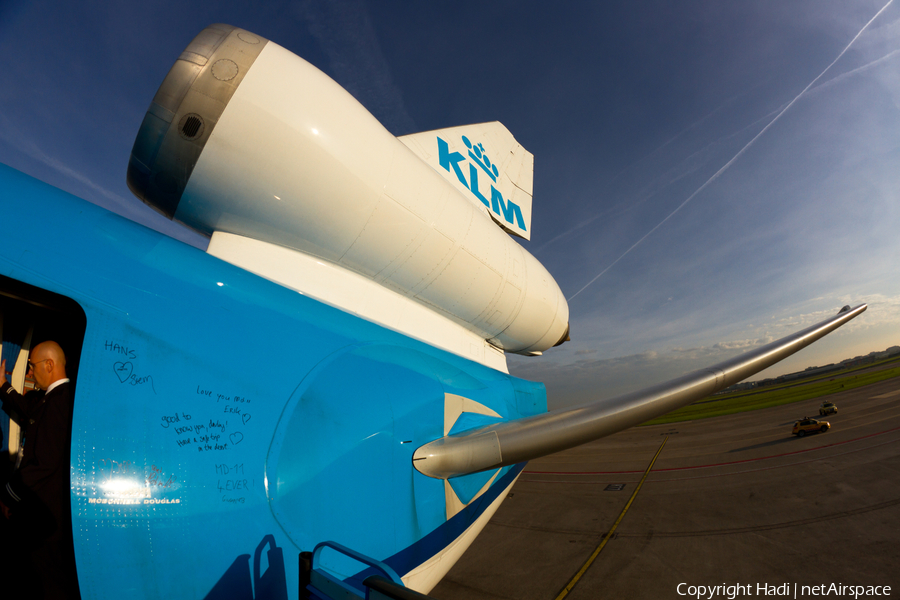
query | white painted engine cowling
[246, 138]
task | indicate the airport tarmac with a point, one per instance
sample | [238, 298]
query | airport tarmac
[730, 500]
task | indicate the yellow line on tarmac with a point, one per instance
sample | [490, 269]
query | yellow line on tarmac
[565, 591]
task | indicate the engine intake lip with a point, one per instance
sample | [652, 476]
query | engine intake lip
[184, 112]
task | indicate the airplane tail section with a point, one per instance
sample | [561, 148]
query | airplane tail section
[487, 165]
[513, 442]
[251, 145]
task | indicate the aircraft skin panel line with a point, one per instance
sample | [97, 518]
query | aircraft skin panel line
[513, 442]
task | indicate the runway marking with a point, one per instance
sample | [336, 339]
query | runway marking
[709, 466]
[888, 395]
[565, 591]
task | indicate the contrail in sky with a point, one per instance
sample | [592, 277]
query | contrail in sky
[659, 148]
[736, 156]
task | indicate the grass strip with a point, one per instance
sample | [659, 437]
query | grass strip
[727, 404]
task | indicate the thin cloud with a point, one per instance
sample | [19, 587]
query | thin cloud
[866, 67]
[12, 136]
[744, 344]
[736, 156]
[124, 207]
[345, 33]
[659, 183]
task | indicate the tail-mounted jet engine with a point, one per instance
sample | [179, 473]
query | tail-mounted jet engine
[295, 180]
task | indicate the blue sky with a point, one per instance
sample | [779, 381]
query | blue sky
[705, 178]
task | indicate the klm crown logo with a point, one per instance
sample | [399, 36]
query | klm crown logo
[477, 154]
[478, 161]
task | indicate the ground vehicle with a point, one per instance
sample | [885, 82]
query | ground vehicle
[807, 425]
[827, 408]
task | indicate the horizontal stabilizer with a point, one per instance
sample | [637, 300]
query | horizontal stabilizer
[487, 165]
[513, 442]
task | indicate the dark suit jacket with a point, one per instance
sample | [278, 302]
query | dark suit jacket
[42, 480]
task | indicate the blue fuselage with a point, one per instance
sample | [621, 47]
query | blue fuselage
[213, 408]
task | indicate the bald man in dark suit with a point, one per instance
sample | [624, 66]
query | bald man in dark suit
[35, 497]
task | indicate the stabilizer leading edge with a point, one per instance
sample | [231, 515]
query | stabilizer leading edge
[517, 441]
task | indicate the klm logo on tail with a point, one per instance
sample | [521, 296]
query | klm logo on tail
[480, 168]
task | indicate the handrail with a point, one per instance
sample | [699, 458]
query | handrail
[366, 560]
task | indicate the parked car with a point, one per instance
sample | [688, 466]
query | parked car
[827, 408]
[807, 425]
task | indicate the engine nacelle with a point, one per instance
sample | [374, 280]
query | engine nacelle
[245, 138]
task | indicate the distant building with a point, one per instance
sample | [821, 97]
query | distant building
[871, 357]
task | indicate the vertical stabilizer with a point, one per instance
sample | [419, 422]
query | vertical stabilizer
[486, 164]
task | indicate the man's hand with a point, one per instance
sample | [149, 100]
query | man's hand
[3, 371]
